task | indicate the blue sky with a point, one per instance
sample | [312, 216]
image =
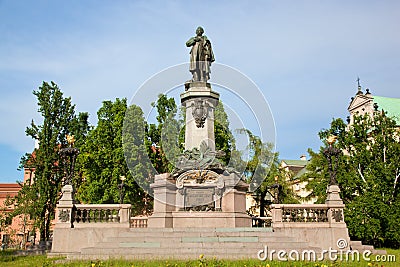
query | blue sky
[304, 56]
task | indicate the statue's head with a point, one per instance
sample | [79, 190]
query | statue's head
[199, 30]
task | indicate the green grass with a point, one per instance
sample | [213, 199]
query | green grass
[7, 258]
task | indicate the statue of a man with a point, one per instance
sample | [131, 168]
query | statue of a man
[201, 56]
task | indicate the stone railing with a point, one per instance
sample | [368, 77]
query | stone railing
[261, 221]
[138, 222]
[321, 225]
[306, 213]
[89, 214]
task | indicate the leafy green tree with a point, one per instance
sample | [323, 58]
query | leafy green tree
[163, 135]
[102, 158]
[263, 173]
[224, 139]
[59, 119]
[368, 176]
[141, 169]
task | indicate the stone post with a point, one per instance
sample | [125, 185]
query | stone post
[125, 214]
[333, 197]
[276, 213]
[65, 207]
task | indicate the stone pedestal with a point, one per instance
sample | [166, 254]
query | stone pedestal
[64, 208]
[333, 196]
[170, 210]
[164, 201]
[200, 102]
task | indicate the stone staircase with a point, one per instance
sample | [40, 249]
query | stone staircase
[357, 245]
[190, 243]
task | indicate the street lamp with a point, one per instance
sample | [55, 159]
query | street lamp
[332, 152]
[68, 156]
[121, 189]
[277, 192]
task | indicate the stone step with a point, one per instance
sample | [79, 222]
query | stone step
[181, 253]
[179, 245]
[200, 230]
[176, 252]
[176, 239]
[185, 243]
[203, 232]
[357, 245]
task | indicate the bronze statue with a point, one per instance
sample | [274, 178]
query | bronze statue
[201, 56]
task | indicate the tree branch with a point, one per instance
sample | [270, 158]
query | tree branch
[362, 176]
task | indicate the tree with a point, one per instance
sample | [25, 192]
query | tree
[59, 119]
[224, 139]
[262, 172]
[164, 134]
[368, 176]
[102, 158]
[135, 150]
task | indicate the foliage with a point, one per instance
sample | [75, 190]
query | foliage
[262, 171]
[368, 175]
[224, 139]
[141, 170]
[39, 198]
[103, 161]
[163, 135]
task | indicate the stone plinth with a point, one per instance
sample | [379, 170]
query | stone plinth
[200, 102]
[164, 201]
[333, 197]
[170, 210]
[64, 208]
[210, 219]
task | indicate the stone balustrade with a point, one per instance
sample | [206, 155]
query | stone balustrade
[261, 221]
[88, 215]
[138, 222]
[322, 225]
[307, 213]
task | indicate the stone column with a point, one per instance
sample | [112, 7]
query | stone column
[200, 102]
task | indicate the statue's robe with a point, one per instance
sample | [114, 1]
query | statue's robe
[201, 55]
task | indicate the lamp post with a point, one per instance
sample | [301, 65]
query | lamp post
[277, 192]
[121, 189]
[332, 153]
[68, 156]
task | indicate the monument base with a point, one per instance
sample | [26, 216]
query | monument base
[228, 208]
[210, 219]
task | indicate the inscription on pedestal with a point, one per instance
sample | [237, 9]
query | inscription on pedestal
[199, 199]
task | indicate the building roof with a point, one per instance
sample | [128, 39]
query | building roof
[8, 189]
[295, 162]
[300, 173]
[390, 105]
